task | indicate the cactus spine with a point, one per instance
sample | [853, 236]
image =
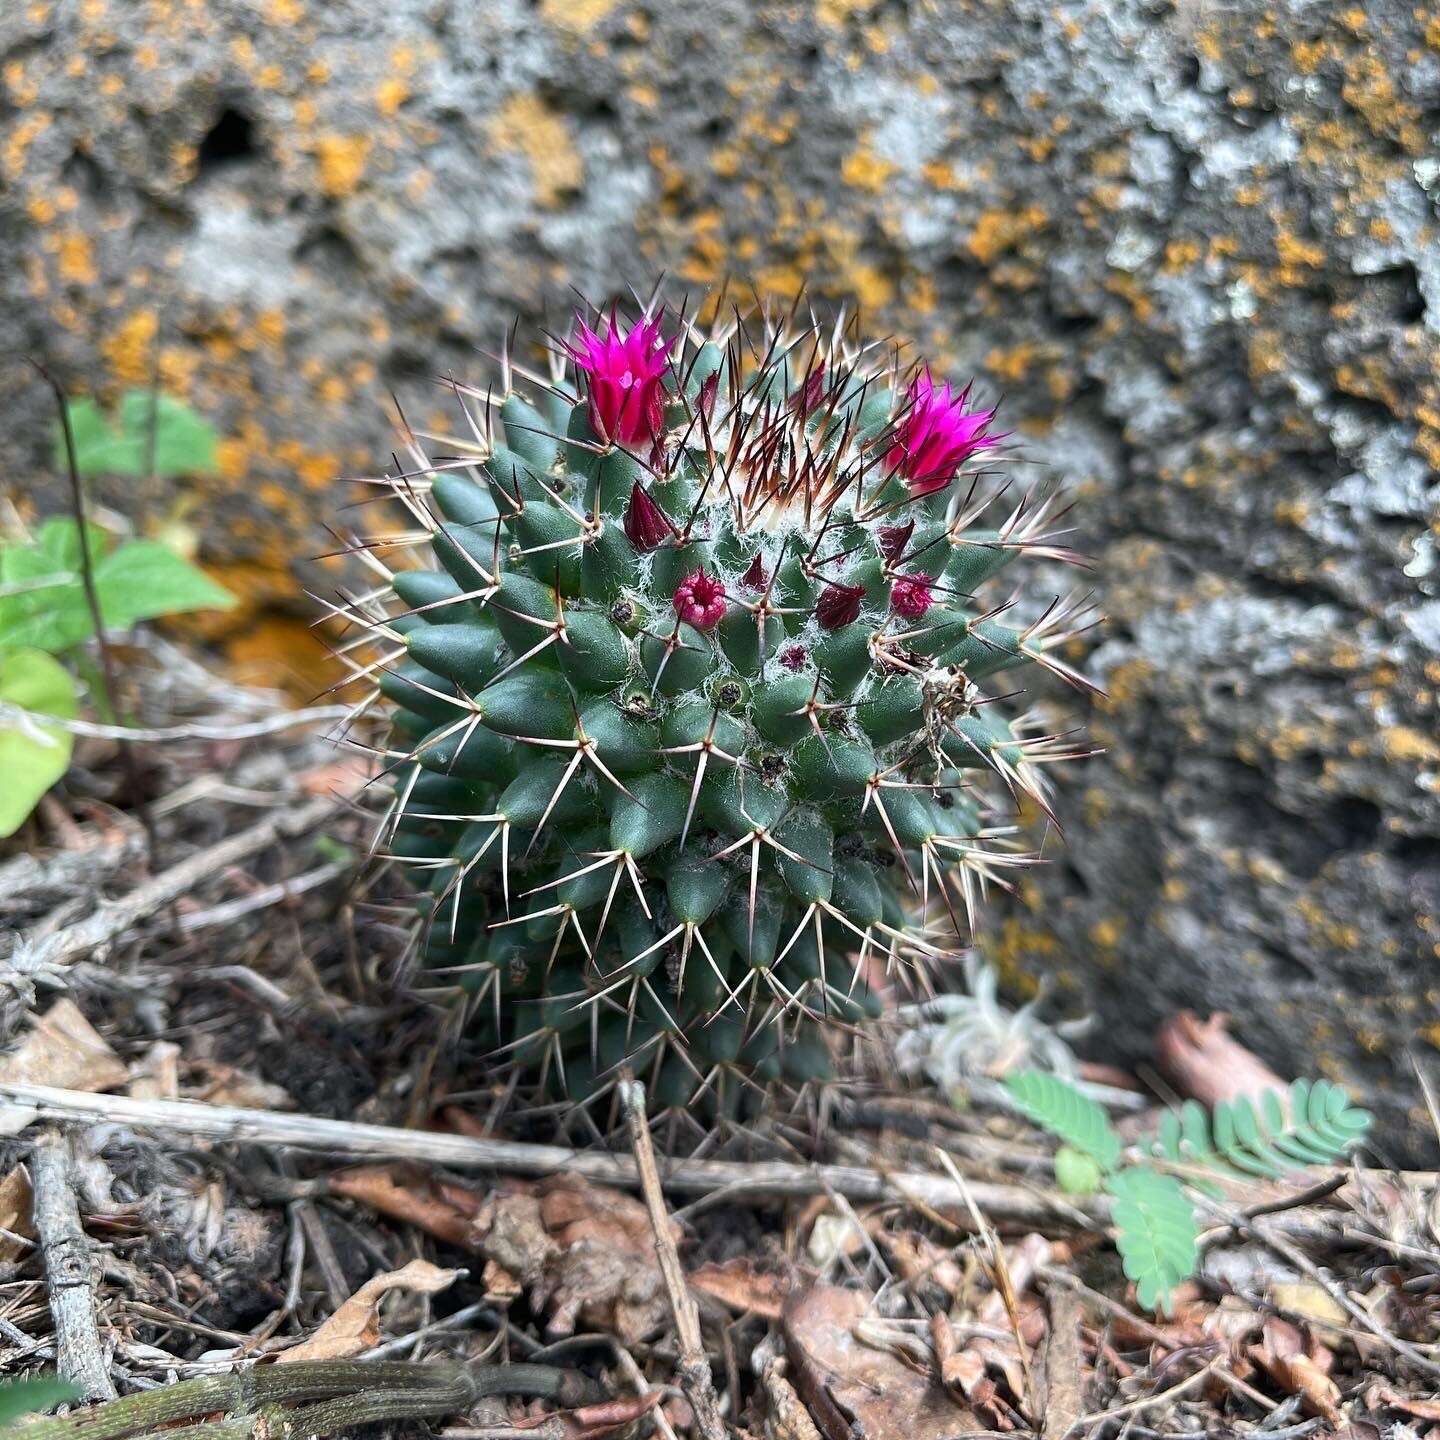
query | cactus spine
[699, 706]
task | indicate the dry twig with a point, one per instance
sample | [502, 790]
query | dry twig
[68, 1277]
[1064, 1385]
[693, 1367]
[1012, 1204]
[1266, 1235]
[112, 920]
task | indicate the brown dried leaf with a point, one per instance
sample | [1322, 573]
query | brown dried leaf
[156, 1075]
[965, 1369]
[1132, 1333]
[355, 1326]
[983, 1357]
[917, 1257]
[1283, 1355]
[584, 1252]
[1280, 1339]
[408, 1194]
[742, 1287]
[1319, 1394]
[16, 1207]
[62, 1049]
[1380, 1395]
[855, 1391]
[1313, 1301]
[229, 1085]
[345, 776]
[589, 1422]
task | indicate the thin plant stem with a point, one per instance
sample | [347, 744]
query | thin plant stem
[92, 600]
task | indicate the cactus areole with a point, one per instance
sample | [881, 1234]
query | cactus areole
[704, 706]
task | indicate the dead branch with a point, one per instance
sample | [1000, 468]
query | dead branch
[339, 1394]
[112, 920]
[693, 1367]
[69, 1279]
[172, 1119]
[208, 730]
[1064, 1381]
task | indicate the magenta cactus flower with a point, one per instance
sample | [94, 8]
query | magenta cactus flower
[700, 600]
[647, 527]
[625, 396]
[911, 596]
[937, 434]
[838, 605]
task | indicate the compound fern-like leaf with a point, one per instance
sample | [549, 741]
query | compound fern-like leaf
[1155, 1232]
[1314, 1125]
[1060, 1108]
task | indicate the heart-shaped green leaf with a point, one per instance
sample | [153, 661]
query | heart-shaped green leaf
[34, 751]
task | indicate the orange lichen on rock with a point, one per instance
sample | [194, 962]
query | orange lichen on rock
[1000, 231]
[341, 161]
[525, 123]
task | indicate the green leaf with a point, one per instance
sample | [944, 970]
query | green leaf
[143, 579]
[1155, 1232]
[42, 593]
[184, 441]
[1268, 1138]
[33, 754]
[1061, 1109]
[24, 1397]
[99, 450]
[1077, 1172]
[153, 434]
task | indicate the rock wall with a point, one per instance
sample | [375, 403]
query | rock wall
[1194, 244]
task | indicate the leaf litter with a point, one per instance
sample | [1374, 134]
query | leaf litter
[823, 1314]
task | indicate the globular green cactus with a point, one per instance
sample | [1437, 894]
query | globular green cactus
[696, 704]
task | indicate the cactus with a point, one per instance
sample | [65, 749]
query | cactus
[700, 723]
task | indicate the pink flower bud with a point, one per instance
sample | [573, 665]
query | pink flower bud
[700, 600]
[910, 596]
[838, 605]
[647, 527]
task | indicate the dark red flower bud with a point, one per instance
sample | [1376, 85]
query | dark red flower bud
[807, 398]
[709, 389]
[754, 577]
[838, 605]
[910, 596]
[894, 539]
[794, 657]
[647, 527]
